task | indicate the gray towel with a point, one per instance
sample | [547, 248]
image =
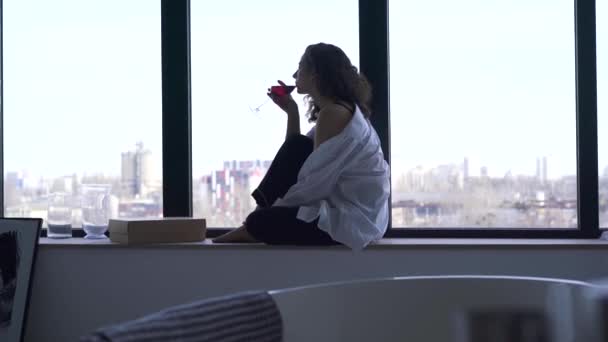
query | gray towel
[248, 316]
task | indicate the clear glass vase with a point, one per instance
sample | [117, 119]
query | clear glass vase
[59, 216]
[96, 210]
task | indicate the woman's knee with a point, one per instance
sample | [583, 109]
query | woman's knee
[299, 141]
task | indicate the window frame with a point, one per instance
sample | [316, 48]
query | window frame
[374, 45]
[375, 63]
[2, 108]
[177, 108]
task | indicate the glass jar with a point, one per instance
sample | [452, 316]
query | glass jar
[96, 209]
[59, 216]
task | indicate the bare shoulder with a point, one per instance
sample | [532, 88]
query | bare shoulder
[331, 121]
[335, 115]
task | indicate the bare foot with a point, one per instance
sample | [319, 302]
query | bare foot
[239, 235]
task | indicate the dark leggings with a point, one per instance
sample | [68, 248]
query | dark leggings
[279, 225]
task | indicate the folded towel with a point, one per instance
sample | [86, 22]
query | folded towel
[247, 316]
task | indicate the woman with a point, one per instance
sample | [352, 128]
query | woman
[330, 186]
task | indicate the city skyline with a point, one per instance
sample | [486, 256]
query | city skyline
[448, 195]
[475, 169]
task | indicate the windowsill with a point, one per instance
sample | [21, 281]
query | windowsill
[381, 244]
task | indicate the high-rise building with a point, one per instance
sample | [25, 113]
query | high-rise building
[138, 176]
[465, 169]
[545, 178]
[538, 172]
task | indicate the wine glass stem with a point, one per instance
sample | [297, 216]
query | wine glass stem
[265, 102]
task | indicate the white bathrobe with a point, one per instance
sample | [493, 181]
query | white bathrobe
[345, 183]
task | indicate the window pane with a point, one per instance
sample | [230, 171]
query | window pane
[82, 92]
[602, 109]
[483, 114]
[239, 49]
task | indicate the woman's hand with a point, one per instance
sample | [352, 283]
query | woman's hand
[286, 102]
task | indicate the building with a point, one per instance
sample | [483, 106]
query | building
[139, 173]
[545, 177]
[542, 173]
[224, 196]
[13, 188]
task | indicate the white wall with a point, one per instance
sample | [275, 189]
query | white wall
[79, 288]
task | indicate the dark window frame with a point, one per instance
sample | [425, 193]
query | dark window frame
[2, 108]
[374, 58]
[587, 149]
[177, 108]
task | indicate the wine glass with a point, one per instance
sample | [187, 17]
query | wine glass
[278, 90]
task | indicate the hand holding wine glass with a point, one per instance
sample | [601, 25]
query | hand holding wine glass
[281, 96]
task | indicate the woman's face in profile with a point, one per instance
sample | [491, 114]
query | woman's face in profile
[304, 79]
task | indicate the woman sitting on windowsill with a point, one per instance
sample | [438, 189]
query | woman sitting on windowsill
[330, 186]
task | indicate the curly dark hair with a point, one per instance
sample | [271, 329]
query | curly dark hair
[337, 78]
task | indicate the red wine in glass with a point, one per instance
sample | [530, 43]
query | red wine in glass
[282, 90]
[276, 90]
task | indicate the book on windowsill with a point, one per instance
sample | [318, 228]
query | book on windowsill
[162, 230]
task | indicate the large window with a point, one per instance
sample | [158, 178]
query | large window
[239, 49]
[491, 107]
[483, 110]
[82, 105]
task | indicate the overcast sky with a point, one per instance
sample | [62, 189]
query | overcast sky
[488, 80]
